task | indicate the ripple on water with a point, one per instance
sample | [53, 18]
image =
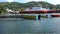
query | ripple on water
[24, 26]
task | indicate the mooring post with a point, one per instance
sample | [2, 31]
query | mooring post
[36, 16]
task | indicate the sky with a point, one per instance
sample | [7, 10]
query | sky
[24, 1]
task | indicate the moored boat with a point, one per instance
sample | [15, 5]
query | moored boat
[55, 15]
[35, 10]
[28, 17]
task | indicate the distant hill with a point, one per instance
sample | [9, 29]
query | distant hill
[58, 5]
[16, 5]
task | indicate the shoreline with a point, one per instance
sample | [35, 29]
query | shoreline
[10, 16]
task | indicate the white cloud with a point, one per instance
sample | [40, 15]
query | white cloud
[34, 0]
[50, 1]
[24, 1]
[10, 0]
[56, 2]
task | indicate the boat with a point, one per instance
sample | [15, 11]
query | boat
[55, 15]
[35, 10]
[28, 17]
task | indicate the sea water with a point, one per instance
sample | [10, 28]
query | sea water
[26, 26]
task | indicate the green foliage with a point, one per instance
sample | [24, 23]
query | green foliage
[2, 10]
[16, 5]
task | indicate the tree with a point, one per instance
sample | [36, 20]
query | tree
[2, 10]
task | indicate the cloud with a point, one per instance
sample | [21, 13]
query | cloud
[10, 0]
[50, 1]
[24, 1]
[53, 1]
[34, 0]
[56, 1]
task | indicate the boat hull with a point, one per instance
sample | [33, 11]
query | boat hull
[55, 15]
[32, 17]
[33, 12]
[28, 17]
[37, 12]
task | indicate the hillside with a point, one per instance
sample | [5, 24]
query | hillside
[16, 5]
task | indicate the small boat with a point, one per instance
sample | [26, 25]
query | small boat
[33, 17]
[55, 15]
[28, 17]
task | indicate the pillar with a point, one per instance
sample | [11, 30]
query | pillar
[49, 16]
[36, 16]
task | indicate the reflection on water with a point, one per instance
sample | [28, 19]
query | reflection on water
[24, 26]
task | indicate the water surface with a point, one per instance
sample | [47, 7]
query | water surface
[25, 26]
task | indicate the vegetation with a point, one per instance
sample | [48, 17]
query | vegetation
[2, 10]
[16, 5]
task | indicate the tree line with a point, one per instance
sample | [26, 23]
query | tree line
[15, 5]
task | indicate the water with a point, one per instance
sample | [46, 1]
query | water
[24, 26]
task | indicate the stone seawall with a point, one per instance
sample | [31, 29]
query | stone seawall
[10, 16]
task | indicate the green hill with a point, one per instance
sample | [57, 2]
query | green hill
[16, 5]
